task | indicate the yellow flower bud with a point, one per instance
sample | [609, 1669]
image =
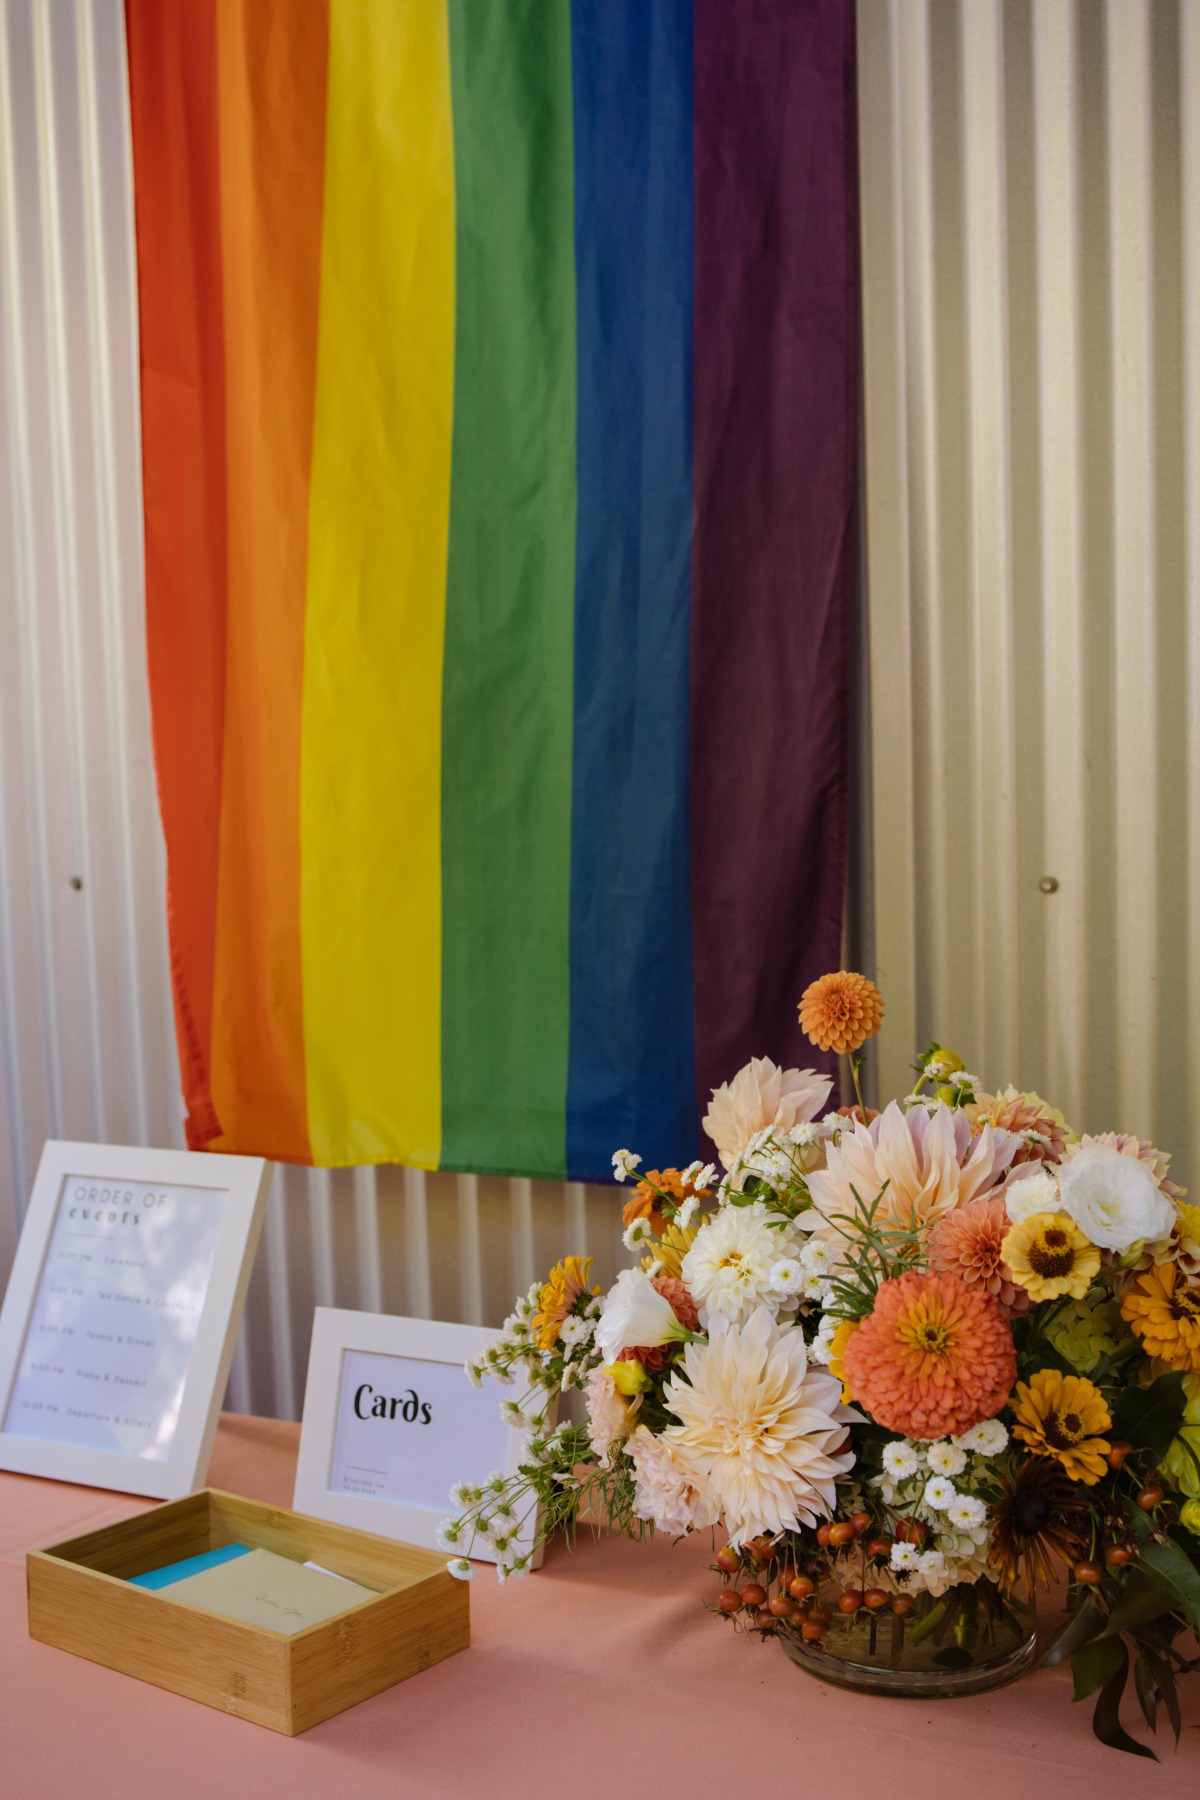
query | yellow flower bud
[629, 1378]
[1189, 1517]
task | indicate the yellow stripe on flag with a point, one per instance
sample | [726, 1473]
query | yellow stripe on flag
[370, 780]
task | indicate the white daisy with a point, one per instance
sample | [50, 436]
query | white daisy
[966, 1512]
[904, 1556]
[939, 1493]
[986, 1439]
[946, 1459]
[461, 1569]
[900, 1459]
[624, 1163]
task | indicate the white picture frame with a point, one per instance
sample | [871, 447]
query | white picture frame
[111, 1188]
[410, 1343]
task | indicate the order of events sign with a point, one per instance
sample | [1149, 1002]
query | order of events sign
[121, 1313]
[391, 1422]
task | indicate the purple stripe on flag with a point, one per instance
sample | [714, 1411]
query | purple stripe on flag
[774, 466]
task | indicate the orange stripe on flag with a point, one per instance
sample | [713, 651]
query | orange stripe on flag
[173, 111]
[272, 76]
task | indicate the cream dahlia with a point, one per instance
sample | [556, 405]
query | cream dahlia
[924, 1162]
[762, 1095]
[760, 1431]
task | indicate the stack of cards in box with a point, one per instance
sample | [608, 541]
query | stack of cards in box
[257, 1586]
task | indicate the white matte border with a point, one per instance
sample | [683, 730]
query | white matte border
[424, 1340]
[244, 1180]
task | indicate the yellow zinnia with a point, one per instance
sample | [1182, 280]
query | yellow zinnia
[1062, 1416]
[1049, 1256]
[1163, 1307]
[566, 1281]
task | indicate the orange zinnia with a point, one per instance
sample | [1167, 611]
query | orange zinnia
[934, 1357]
[643, 1203]
[841, 1011]
[1164, 1310]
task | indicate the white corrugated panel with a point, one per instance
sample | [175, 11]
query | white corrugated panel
[1031, 227]
[86, 1043]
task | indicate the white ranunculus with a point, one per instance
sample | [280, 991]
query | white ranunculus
[635, 1315]
[1029, 1194]
[1114, 1199]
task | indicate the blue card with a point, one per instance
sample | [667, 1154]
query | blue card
[191, 1565]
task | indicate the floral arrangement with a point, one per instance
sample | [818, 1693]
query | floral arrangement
[917, 1365]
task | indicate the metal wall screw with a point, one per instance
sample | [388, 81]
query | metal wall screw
[76, 882]
[1048, 884]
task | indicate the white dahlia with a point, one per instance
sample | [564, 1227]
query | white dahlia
[734, 1263]
[761, 1432]
[664, 1494]
[760, 1096]
[924, 1163]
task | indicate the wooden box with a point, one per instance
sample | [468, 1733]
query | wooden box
[80, 1600]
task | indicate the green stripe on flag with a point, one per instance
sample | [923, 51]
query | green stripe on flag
[508, 684]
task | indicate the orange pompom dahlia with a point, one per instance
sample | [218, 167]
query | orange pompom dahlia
[934, 1357]
[967, 1243]
[841, 1011]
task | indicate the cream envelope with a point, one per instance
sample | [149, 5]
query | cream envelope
[270, 1590]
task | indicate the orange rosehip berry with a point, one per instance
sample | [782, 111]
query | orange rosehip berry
[1149, 1498]
[823, 1532]
[913, 1531]
[1118, 1452]
[902, 1604]
[801, 1586]
[874, 1598]
[1089, 1574]
[753, 1594]
[1117, 1555]
[879, 1548]
[813, 1630]
[860, 1521]
[842, 1533]
[764, 1620]
[729, 1600]
[850, 1601]
[780, 1607]
[729, 1560]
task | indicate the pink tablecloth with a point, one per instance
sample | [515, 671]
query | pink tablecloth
[600, 1676]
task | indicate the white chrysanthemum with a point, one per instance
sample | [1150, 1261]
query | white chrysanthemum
[815, 1256]
[900, 1459]
[946, 1459]
[904, 1556]
[931, 1564]
[1114, 1199]
[686, 1211]
[821, 1348]
[939, 1493]
[759, 1428]
[986, 1439]
[787, 1277]
[610, 1415]
[966, 1512]
[919, 1165]
[762, 1097]
[727, 1271]
[575, 1330]
[664, 1495]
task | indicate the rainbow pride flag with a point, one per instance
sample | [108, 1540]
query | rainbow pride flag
[498, 389]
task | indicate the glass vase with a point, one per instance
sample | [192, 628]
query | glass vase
[969, 1639]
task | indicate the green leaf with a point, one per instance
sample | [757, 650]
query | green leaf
[1106, 1720]
[1142, 1599]
[1175, 1570]
[1096, 1663]
[1147, 1692]
[1083, 1622]
[1149, 1418]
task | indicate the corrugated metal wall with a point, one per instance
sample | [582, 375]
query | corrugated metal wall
[86, 1043]
[1031, 221]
